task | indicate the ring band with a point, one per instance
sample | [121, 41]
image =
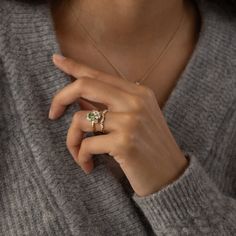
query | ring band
[94, 126]
[102, 120]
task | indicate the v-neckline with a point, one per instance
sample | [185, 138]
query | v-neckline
[181, 79]
[188, 75]
[183, 94]
[188, 89]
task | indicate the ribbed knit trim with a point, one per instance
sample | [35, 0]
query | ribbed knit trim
[191, 201]
[179, 200]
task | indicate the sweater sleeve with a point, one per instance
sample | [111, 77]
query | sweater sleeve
[193, 204]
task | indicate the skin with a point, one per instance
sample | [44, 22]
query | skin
[134, 111]
[131, 52]
[122, 22]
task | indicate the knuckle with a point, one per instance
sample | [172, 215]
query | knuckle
[146, 91]
[127, 118]
[127, 143]
[95, 73]
[77, 116]
[126, 139]
[137, 102]
[124, 144]
[131, 120]
[81, 82]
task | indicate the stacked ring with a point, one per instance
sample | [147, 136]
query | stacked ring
[97, 117]
[102, 120]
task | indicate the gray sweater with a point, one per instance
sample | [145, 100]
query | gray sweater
[44, 192]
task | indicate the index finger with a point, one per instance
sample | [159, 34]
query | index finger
[92, 90]
[78, 70]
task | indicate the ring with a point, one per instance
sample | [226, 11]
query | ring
[94, 117]
[102, 120]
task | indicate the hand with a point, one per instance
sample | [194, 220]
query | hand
[137, 135]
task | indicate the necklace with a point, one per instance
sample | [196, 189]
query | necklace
[156, 61]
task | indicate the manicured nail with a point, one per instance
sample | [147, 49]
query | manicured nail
[87, 172]
[58, 58]
[51, 114]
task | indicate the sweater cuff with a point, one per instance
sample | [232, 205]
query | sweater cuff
[181, 201]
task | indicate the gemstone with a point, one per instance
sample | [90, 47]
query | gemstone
[94, 116]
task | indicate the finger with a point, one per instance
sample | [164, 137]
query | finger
[91, 146]
[72, 67]
[78, 70]
[80, 125]
[92, 90]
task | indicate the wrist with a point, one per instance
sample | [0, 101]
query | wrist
[172, 174]
[181, 166]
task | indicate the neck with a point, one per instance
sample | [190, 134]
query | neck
[126, 22]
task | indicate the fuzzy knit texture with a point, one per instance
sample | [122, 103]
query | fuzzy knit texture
[44, 192]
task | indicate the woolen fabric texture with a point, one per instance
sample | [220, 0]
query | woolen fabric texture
[44, 192]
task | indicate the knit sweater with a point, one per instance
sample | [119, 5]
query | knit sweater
[44, 192]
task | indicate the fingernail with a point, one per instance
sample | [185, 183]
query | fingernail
[58, 58]
[51, 114]
[86, 172]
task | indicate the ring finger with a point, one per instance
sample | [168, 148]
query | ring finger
[80, 125]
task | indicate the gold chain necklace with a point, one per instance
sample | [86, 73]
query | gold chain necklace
[151, 67]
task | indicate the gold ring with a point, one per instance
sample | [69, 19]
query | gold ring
[102, 120]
